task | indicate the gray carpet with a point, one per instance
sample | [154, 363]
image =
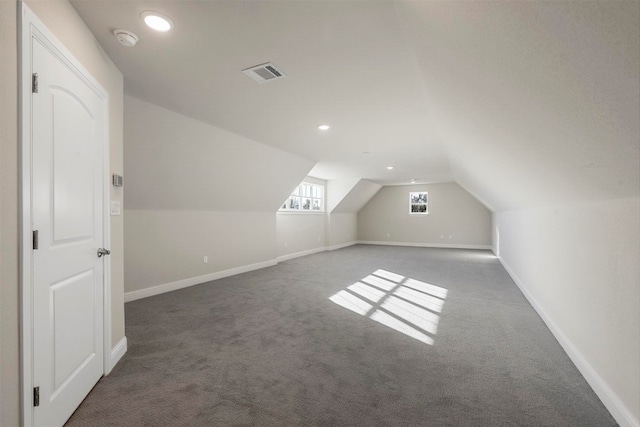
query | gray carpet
[269, 348]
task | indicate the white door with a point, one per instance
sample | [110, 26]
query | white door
[67, 211]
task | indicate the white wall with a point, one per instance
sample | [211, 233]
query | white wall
[301, 233]
[305, 233]
[345, 197]
[342, 229]
[168, 246]
[579, 266]
[192, 190]
[455, 219]
[9, 284]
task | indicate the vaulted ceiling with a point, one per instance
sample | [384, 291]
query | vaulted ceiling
[522, 103]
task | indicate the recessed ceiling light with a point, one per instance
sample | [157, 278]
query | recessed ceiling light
[157, 21]
[389, 167]
[323, 127]
[413, 181]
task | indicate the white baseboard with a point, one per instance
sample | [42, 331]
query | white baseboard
[192, 281]
[609, 398]
[425, 245]
[116, 353]
[340, 246]
[301, 253]
[315, 251]
[185, 283]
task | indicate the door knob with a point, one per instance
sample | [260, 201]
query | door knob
[103, 251]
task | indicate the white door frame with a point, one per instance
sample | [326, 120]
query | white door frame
[30, 26]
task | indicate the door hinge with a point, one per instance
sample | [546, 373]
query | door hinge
[34, 83]
[36, 396]
[35, 240]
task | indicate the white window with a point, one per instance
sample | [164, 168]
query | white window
[307, 197]
[418, 203]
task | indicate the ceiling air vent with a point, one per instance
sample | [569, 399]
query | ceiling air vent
[264, 72]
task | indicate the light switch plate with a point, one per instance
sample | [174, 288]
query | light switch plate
[115, 207]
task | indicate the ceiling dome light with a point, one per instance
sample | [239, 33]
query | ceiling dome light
[157, 21]
[323, 127]
[389, 167]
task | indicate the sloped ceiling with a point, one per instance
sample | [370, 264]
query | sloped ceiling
[173, 162]
[537, 103]
[356, 196]
[337, 190]
[347, 65]
[522, 103]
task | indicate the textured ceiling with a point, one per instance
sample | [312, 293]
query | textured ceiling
[522, 103]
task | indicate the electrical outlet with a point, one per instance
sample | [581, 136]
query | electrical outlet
[205, 259]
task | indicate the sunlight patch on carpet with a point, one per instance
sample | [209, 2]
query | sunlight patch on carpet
[403, 304]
